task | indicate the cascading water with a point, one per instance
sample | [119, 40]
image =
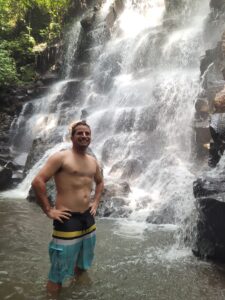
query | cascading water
[139, 100]
[136, 86]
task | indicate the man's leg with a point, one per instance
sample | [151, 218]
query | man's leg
[78, 271]
[86, 254]
[53, 288]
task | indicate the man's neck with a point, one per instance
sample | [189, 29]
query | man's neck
[79, 150]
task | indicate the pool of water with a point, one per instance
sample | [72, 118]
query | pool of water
[133, 261]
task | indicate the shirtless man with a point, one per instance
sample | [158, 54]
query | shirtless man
[72, 247]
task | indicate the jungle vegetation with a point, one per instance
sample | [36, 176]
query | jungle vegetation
[24, 24]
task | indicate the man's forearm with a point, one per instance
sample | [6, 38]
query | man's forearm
[98, 191]
[39, 188]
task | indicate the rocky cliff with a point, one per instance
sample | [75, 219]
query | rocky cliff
[209, 189]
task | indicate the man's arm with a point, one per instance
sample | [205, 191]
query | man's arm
[39, 186]
[98, 190]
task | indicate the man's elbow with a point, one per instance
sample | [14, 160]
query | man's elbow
[37, 181]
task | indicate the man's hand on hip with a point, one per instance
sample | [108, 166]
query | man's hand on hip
[58, 214]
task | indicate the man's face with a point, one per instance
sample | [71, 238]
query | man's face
[82, 136]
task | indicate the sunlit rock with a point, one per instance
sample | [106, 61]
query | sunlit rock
[114, 11]
[219, 101]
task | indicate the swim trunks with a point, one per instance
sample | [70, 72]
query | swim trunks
[72, 245]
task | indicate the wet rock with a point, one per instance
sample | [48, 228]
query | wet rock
[172, 6]
[208, 186]
[202, 105]
[202, 132]
[217, 145]
[48, 58]
[210, 238]
[116, 189]
[111, 17]
[87, 22]
[115, 10]
[114, 201]
[38, 148]
[218, 4]
[71, 91]
[114, 207]
[83, 69]
[5, 178]
[17, 178]
[49, 78]
[219, 101]
[108, 148]
[118, 6]
[2, 162]
[51, 192]
[12, 166]
[166, 215]
[128, 169]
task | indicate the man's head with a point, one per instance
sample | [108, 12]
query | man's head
[80, 135]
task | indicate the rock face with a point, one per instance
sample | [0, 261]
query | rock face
[212, 68]
[217, 4]
[209, 190]
[114, 201]
[5, 178]
[209, 239]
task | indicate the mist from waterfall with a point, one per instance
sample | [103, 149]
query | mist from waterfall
[139, 101]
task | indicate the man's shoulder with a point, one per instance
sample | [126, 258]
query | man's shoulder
[60, 154]
[91, 157]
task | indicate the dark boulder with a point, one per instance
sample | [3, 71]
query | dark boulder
[5, 178]
[208, 236]
[87, 22]
[218, 4]
[208, 186]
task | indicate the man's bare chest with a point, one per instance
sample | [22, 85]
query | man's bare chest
[83, 168]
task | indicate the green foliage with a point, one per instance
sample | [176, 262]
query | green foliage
[8, 73]
[23, 24]
[38, 15]
[21, 48]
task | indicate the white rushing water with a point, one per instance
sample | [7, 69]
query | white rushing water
[139, 98]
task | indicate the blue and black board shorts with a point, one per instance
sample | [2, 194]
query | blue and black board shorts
[72, 245]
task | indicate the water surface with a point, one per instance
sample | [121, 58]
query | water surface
[133, 261]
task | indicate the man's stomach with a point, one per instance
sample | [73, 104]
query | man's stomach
[74, 202]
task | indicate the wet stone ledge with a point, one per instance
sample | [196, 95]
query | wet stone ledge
[209, 237]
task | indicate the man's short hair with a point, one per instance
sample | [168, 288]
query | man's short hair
[74, 125]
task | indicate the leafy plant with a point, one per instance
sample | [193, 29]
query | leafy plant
[8, 73]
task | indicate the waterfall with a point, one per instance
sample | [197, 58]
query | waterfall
[138, 98]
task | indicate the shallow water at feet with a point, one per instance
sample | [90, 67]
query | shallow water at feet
[133, 261]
